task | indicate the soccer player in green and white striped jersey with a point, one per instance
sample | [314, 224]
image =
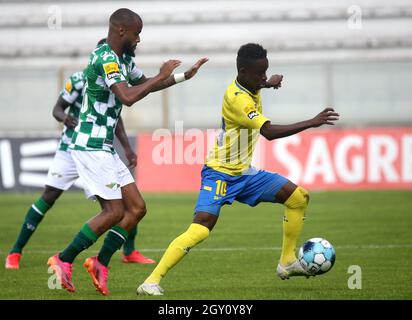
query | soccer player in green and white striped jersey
[113, 79]
[62, 173]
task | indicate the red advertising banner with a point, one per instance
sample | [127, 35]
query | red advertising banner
[339, 159]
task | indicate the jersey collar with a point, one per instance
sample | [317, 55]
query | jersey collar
[115, 54]
[245, 90]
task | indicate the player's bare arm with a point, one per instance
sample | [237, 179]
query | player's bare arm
[130, 95]
[171, 80]
[124, 141]
[59, 114]
[273, 131]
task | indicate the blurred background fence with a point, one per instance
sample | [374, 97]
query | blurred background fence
[353, 55]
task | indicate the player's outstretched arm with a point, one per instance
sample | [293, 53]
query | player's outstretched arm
[176, 78]
[273, 131]
[61, 116]
[130, 95]
[124, 141]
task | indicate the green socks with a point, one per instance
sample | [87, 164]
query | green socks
[84, 239]
[128, 246]
[33, 217]
[115, 238]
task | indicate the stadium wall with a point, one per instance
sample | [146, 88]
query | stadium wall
[340, 159]
[343, 159]
[25, 160]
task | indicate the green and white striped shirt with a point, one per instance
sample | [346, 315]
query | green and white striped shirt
[72, 93]
[101, 109]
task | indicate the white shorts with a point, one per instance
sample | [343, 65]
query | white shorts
[102, 173]
[63, 173]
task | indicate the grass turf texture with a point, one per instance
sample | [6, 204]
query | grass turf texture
[238, 260]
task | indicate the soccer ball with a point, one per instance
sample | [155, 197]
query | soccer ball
[317, 256]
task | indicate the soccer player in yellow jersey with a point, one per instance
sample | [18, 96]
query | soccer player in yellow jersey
[228, 174]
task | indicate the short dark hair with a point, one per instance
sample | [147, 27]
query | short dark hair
[123, 16]
[249, 53]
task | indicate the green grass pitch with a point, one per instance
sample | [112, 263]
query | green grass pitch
[371, 229]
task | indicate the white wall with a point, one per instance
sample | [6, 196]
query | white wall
[365, 73]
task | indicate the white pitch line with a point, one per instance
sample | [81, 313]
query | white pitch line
[369, 246]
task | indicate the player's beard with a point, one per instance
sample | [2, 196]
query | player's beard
[129, 49]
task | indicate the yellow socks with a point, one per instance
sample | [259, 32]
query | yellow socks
[295, 207]
[179, 247]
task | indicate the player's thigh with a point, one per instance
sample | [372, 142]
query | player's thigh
[125, 177]
[114, 206]
[62, 172]
[265, 186]
[217, 189]
[112, 213]
[133, 199]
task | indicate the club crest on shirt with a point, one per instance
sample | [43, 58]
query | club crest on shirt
[114, 186]
[107, 55]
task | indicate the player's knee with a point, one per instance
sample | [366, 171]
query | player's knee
[143, 210]
[50, 195]
[298, 199]
[197, 232]
[139, 211]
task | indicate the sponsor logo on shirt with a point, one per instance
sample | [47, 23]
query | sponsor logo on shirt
[113, 75]
[252, 114]
[68, 86]
[112, 70]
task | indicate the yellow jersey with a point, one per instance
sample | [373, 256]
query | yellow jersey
[241, 122]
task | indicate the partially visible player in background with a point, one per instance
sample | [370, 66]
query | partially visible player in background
[112, 79]
[228, 175]
[62, 173]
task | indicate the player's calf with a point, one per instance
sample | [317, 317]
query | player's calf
[294, 217]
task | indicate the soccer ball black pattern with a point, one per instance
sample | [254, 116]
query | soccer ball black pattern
[317, 256]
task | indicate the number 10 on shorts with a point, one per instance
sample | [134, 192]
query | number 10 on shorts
[221, 188]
